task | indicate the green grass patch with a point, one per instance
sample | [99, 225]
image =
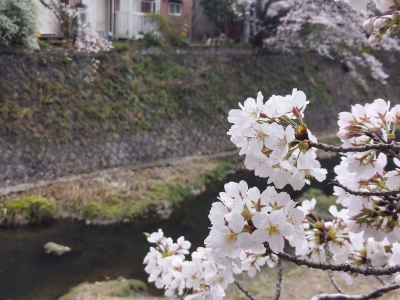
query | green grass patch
[92, 210]
[169, 190]
[122, 46]
[44, 44]
[33, 208]
[216, 174]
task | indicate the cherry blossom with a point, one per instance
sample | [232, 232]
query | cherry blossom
[273, 228]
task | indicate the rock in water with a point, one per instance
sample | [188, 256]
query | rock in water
[53, 248]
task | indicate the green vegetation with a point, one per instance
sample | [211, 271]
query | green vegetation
[43, 61]
[171, 31]
[113, 288]
[169, 190]
[218, 173]
[91, 210]
[131, 92]
[150, 39]
[43, 44]
[122, 46]
[18, 23]
[32, 208]
[117, 207]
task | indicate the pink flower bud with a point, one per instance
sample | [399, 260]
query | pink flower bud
[373, 39]
[381, 22]
[369, 24]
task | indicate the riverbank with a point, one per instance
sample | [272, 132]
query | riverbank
[124, 194]
[118, 195]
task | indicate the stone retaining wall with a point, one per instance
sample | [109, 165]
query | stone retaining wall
[25, 162]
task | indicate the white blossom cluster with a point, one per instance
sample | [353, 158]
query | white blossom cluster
[202, 277]
[345, 246]
[90, 40]
[249, 227]
[273, 150]
[375, 216]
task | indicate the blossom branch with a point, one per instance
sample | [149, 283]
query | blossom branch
[340, 267]
[339, 149]
[278, 283]
[367, 194]
[244, 290]
[328, 260]
[374, 294]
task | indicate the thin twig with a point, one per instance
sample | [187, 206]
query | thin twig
[279, 281]
[339, 149]
[377, 277]
[367, 194]
[380, 280]
[328, 260]
[244, 290]
[374, 294]
[340, 267]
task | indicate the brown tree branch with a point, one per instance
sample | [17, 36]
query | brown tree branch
[339, 149]
[244, 290]
[52, 8]
[374, 294]
[340, 267]
[367, 194]
[279, 281]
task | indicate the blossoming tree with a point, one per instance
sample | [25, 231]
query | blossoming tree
[250, 227]
[87, 39]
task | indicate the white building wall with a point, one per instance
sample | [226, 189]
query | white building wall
[47, 23]
[124, 6]
[98, 14]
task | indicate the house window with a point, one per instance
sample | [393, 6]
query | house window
[174, 9]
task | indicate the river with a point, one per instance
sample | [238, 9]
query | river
[26, 272]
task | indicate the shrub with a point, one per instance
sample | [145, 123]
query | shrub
[121, 47]
[18, 23]
[150, 39]
[169, 29]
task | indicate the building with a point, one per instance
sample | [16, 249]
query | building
[124, 18]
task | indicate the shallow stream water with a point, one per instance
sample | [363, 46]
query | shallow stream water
[100, 252]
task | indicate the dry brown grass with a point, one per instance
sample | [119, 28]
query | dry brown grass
[124, 193]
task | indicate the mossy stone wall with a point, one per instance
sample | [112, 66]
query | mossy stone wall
[58, 117]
